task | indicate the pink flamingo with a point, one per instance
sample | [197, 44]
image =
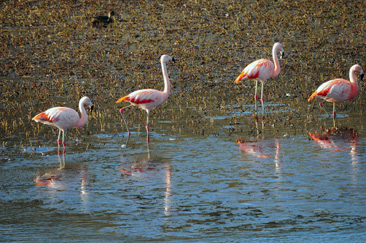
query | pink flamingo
[261, 70]
[148, 99]
[338, 90]
[64, 118]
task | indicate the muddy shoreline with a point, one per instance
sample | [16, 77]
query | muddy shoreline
[52, 56]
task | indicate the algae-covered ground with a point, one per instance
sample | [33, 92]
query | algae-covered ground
[52, 56]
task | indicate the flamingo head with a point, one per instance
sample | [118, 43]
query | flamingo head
[358, 69]
[166, 58]
[278, 47]
[282, 54]
[86, 101]
[361, 74]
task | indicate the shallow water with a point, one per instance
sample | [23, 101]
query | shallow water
[198, 188]
[196, 183]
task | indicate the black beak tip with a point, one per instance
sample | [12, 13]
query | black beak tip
[173, 60]
[361, 76]
[91, 107]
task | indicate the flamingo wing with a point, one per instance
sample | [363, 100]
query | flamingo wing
[335, 90]
[146, 98]
[61, 117]
[261, 69]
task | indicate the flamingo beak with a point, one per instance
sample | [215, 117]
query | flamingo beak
[282, 54]
[361, 76]
[173, 60]
[91, 108]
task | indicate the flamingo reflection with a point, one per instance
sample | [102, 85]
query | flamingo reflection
[337, 139]
[151, 168]
[261, 148]
[340, 139]
[64, 178]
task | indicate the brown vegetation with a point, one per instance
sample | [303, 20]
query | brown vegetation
[52, 56]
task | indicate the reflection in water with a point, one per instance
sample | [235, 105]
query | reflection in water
[263, 148]
[256, 125]
[339, 139]
[124, 145]
[277, 154]
[53, 178]
[151, 168]
[65, 178]
[217, 191]
[336, 139]
[266, 150]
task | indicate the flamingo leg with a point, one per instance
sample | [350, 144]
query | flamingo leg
[321, 106]
[334, 114]
[61, 159]
[124, 120]
[58, 140]
[256, 126]
[147, 127]
[63, 140]
[262, 100]
[255, 95]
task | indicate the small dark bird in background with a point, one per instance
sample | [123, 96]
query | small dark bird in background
[103, 21]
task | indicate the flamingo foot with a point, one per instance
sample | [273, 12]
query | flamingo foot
[64, 144]
[59, 152]
[334, 115]
[129, 133]
[256, 97]
[121, 110]
[147, 128]
[320, 104]
[58, 142]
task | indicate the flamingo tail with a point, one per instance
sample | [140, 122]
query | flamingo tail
[42, 117]
[240, 77]
[122, 99]
[313, 96]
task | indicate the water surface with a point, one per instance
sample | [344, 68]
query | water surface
[199, 188]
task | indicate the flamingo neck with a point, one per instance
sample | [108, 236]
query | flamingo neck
[276, 63]
[166, 79]
[354, 84]
[84, 117]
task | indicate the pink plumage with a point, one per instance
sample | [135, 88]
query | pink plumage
[148, 99]
[60, 117]
[338, 90]
[64, 118]
[261, 70]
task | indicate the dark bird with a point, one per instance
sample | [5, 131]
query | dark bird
[99, 21]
